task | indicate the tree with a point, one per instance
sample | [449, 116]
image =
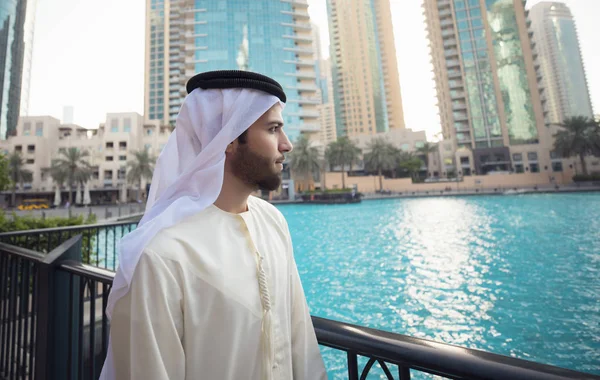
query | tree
[142, 167]
[580, 136]
[425, 150]
[305, 158]
[73, 162]
[411, 163]
[379, 158]
[4, 173]
[341, 153]
[18, 174]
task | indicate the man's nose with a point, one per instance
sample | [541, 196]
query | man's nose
[285, 145]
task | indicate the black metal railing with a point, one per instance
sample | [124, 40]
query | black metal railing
[54, 327]
[99, 241]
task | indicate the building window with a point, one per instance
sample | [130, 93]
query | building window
[110, 145]
[123, 145]
[18, 148]
[517, 157]
[532, 156]
[122, 158]
[519, 168]
[127, 125]
[535, 168]
[557, 166]
[121, 174]
[27, 129]
[554, 155]
[39, 129]
[149, 132]
[114, 125]
[95, 174]
[30, 148]
[108, 174]
[109, 158]
[30, 161]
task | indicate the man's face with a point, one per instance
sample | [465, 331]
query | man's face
[259, 161]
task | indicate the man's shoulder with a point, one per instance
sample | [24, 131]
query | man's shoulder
[267, 208]
[181, 236]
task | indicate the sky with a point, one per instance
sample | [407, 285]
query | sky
[90, 55]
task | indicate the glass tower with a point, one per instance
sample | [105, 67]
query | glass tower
[265, 36]
[484, 72]
[560, 64]
[12, 48]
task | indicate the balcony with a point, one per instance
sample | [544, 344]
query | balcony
[304, 39]
[303, 88]
[305, 127]
[297, 15]
[296, 3]
[300, 50]
[303, 27]
[302, 62]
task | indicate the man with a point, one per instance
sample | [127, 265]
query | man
[207, 285]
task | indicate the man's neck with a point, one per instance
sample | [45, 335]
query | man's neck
[234, 195]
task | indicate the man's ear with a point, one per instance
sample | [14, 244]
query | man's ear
[231, 147]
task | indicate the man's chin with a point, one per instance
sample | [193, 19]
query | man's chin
[271, 183]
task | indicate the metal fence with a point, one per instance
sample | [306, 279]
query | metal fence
[99, 241]
[53, 326]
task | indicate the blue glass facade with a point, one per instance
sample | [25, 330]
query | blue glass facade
[225, 29]
[479, 78]
[12, 47]
[512, 73]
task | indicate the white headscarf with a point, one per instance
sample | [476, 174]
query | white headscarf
[189, 172]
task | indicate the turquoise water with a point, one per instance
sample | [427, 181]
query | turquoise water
[515, 275]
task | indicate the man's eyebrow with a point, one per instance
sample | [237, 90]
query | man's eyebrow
[276, 123]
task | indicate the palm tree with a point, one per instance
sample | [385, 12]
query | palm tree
[305, 158]
[18, 174]
[411, 163]
[341, 153]
[379, 158]
[142, 167]
[425, 150]
[579, 136]
[74, 163]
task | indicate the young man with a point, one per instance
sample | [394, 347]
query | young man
[207, 286]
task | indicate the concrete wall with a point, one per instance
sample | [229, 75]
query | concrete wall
[370, 184]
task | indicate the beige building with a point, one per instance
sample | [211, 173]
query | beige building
[187, 37]
[40, 139]
[364, 67]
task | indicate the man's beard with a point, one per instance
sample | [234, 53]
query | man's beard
[255, 170]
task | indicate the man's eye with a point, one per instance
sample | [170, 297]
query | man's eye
[274, 129]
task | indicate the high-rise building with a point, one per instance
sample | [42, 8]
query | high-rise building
[12, 48]
[366, 87]
[185, 37]
[559, 62]
[486, 82]
[27, 56]
[328, 132]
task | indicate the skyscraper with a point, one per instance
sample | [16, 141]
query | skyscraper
[560, 64]
[12, 47]
[486, 83]
[366, 88]
[186, 37]
[27, 56]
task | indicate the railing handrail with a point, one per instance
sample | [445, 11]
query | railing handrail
[32, 255]
[65, 228]
[88, 271]
[434, 357]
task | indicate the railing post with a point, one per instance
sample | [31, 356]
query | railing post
[352, 366]
[52, 345]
